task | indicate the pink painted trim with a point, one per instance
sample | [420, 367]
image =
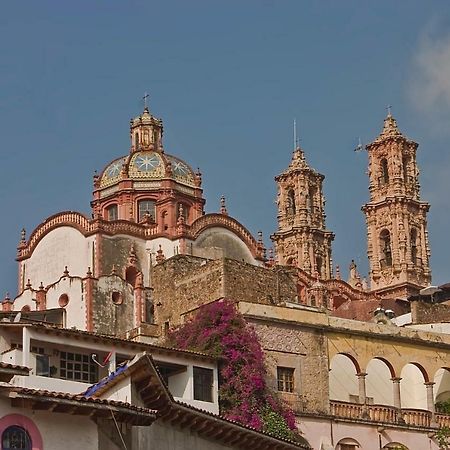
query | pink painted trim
[26, 423]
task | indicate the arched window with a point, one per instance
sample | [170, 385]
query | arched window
[136, 140]
[384, 179]
[291, 202]
[310, 204]
[386, 251]
[319, 265]
[146, 137]
[112, 212]
[146, 207]
[17, 438]
[405, 169]
[414, 246]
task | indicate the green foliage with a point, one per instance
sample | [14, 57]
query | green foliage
[443, 407]
[443, 438]
[220, 330]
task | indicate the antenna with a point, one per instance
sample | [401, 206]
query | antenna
[295, 134]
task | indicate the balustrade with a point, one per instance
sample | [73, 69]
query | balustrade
[386, 414]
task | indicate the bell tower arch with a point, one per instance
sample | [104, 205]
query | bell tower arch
[396, 218]
[301, 238]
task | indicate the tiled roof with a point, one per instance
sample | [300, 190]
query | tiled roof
[87, 334]
[78, 404]
[4, 365]
[156, 395]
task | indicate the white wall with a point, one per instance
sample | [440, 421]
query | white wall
[379, 386]
[412, 389]
[63, 246]
[58, 431]
[343, 380]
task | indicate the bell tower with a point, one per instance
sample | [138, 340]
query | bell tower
[302, 239]
[397, 237]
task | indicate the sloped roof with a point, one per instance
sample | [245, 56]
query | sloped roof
[156, 395]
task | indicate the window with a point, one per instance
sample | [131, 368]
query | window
[310, 200]
[347, 447]
[136, 140]
[386, 252]
[77, 367]
[384, 172]
[42, 366]
[291, 202]
[203, 381]
[405, 169]
[112, 212]
[414, 246]
[146, 207]
[16, 438]
[285, 377]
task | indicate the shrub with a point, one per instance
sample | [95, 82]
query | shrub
[220, 330]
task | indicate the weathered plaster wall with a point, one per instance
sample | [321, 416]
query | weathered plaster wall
[169, 437]
[110, 318]
[58, 430]
[218, 242]
[329, 431]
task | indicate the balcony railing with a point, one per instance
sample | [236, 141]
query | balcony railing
[387, 414]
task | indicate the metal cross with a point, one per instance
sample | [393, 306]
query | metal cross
[145, 97]
[388, 107]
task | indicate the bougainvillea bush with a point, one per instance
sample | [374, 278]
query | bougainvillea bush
[220, 330]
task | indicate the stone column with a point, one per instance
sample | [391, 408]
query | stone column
[430, 396]
[362, 387]
[396, 390]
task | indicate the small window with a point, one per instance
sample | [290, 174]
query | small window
[285, 378]
[384, 172]
[63, 300]
[146, 207]
[386, 251]
[405, 162]
[78, 367]
[112, 212]
[203, 381]
[42, 366]
[116, 298]
[414, 246]
[16, 438]
[291, 202]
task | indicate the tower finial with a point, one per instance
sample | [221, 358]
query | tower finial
[295, 134]
[389, 110]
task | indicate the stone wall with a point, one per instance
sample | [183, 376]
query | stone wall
[423, 312]
[183, 283]
[304, 350]
[113, 317]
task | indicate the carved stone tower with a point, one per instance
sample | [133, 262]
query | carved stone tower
[397, 236]
[302, 239]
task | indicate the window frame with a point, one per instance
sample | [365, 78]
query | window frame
[27, 438]
[203, 382]
[286, 379]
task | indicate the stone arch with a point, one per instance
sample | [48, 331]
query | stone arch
[379, 376]
[25, 423]
[395, 446]
[442, 385]
[348, 444]
[412, 388]
[343, 381]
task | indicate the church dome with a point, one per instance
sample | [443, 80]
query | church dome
[147, 165]
[147, 159]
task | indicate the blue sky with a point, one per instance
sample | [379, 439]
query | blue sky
[227, 78]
